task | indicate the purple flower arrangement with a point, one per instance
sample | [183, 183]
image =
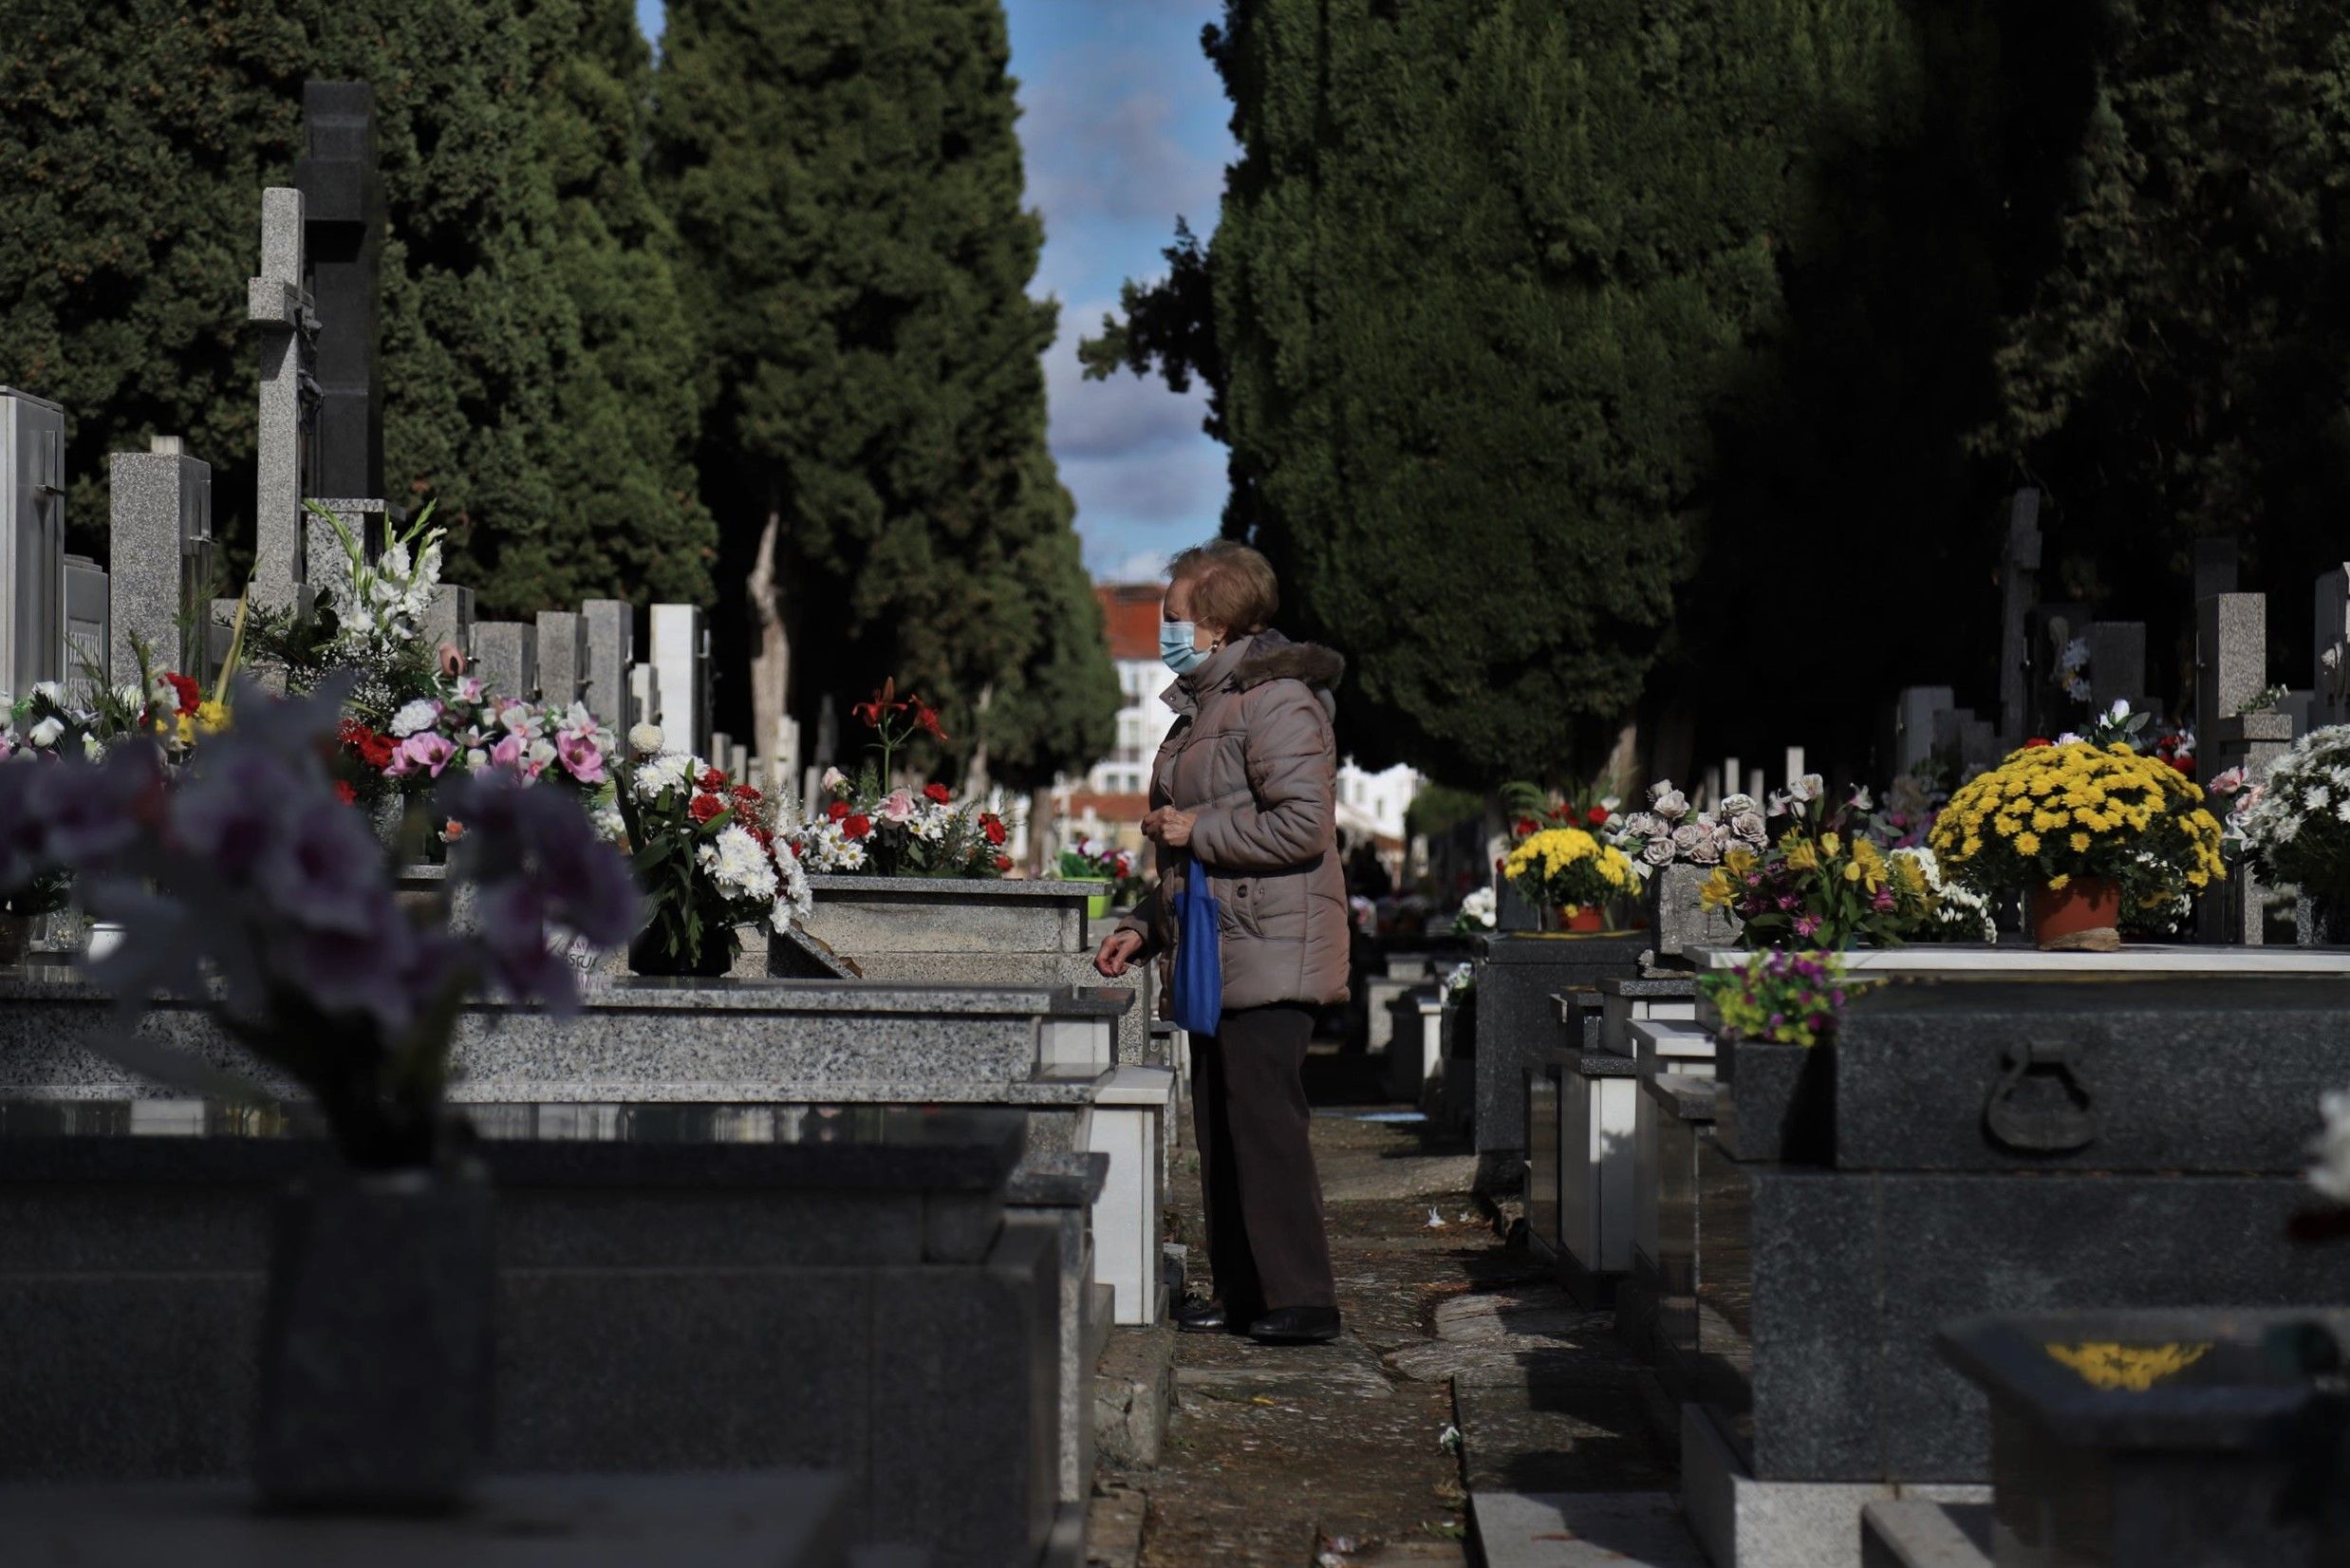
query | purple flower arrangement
[1780, 995]
[247, 871]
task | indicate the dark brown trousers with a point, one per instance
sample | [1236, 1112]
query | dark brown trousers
[1265, 1242]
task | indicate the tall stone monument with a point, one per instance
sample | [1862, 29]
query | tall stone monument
[160, 560]
[609, 630]
[2019, 590]
[278, 302]
[32, 541]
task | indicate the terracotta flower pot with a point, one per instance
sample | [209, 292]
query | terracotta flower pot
[1581, 918]
[2082, 916]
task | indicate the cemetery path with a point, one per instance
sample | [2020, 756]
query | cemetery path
[1352, 1455]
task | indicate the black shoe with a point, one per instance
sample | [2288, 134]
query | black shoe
[1202, 1317]
[1295, 1326]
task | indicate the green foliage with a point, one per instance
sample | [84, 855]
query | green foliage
[1439, 808]
[533, 367]
[1480, 289]
[845, 182]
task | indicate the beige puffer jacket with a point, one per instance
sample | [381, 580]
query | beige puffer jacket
[1253, 754]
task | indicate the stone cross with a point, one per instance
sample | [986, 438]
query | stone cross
[562, 656]
[506, 657]
[2019, 588]
[159, 552]
[680, 649]
[32, 541]
[281, 306]
[609, 629]
[342, 201]
[2330, 664]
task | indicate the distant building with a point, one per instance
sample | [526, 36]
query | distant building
[1110, 801]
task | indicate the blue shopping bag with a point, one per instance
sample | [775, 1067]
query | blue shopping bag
[1199, 1002]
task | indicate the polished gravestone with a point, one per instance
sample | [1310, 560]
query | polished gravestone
[1999, 1147]
[1519, 975]
[681, 1288]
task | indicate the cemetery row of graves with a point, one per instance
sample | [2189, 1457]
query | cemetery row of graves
[1964, 1155]
[435, 1102]
[1943, 1148]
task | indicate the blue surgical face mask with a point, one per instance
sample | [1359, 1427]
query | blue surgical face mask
[1177, 647]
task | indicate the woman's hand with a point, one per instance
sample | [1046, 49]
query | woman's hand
[1118, 950]
[1170, 827]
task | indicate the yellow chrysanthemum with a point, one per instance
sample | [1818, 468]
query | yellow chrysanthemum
[2027, 844]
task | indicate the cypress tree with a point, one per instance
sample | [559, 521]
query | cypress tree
[627, 403]
[1479, 287]
[521, 332]
[845, 182]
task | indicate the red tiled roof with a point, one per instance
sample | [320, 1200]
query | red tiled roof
[1131, 614]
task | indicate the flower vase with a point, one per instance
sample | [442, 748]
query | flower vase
[2321, 922]
[1579, 918]
[1097, 907]
[2084, 916]
[377, 1352]
[649, 955]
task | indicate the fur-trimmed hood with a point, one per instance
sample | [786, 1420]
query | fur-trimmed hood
[1273, 657]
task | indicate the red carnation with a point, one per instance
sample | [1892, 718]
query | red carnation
[705, 807]
[838, 810]
[992, 826]
[185, 689]
[1003, 863]
[344, 791]
[858, 826]
[744, 792]
[1526, 827]
[2185, 765]
[712, 780]
[1597, 816]
[937, 792]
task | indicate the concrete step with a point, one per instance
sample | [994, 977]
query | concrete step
[1582, 1530]
[1134, 1392]
[1926, 1535]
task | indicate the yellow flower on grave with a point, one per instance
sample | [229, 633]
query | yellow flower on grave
[210, 716]
[2079, 843]
[1830, 845]
[2059, 882]
[2135, 1368]
[1804, 856]
[1717, 890]
[2048, 822]
[1867, 867]
[2027, 844]
[1739, 860]
[1971, 848]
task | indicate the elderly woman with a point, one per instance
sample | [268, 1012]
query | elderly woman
[1244, 795]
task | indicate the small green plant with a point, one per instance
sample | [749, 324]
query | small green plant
[1790, 997]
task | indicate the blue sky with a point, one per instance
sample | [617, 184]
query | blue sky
[1122, 126]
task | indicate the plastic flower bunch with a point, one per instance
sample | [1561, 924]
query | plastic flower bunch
[2293, 825]
[1569, 867]
[1670, 830]
[1092, 860]
[1826, 881]
[706, 849]
[2051, 813]
[1480, 911]
[248, 871]
[1532, 809]
[466, 728]
[1787, 997]
[900, 832]
[1959, 914]
[379, 605]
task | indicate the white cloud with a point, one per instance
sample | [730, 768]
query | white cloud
[1123, 416]
[1101, 140]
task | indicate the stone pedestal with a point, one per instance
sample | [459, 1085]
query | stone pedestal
[158, 563]
[1517, 976]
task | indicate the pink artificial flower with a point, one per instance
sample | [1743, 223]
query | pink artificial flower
[1805, 925]
[580, 756]
[898, 807]
[507, 752]
[422, 753]
[2228, 782]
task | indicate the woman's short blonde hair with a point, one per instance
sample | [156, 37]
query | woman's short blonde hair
[1232, 586]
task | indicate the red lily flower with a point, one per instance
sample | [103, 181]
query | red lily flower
[883, 704]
